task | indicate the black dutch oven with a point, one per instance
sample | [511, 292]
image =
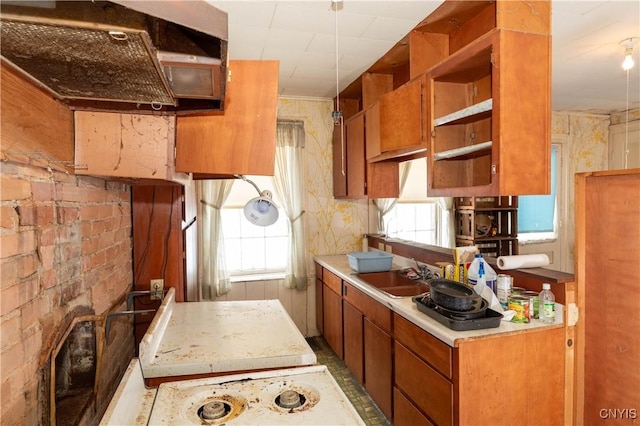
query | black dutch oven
[453, 295]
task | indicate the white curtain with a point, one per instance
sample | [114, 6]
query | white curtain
[213, 278]
[288, 184]
[384, 205]
[446, 225]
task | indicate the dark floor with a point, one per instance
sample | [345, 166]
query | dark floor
[366, 408]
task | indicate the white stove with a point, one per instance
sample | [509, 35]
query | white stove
[299, 396]
[214, 338]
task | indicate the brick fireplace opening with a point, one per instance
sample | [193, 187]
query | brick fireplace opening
[71, 370]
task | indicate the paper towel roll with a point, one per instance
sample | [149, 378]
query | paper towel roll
[523, 261]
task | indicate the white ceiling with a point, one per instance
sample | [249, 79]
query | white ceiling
[587, 56]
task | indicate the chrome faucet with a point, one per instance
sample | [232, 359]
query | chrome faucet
[424, 271]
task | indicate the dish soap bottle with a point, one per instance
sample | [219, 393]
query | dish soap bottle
[547, 305]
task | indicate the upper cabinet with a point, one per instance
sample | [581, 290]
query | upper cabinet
[240, 141]
[353, 177]
[469, 88]
[138, 146]
[490, 126]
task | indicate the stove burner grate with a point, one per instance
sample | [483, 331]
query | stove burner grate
[290, 399]
[214, 410]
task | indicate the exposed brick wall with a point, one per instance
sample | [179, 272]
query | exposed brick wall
[65, 247]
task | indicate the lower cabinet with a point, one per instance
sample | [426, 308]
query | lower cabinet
[332, 311]
[511, 379]
[416, 379]
[368, 345]
[378, 362]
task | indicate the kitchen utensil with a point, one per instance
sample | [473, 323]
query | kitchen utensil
[490, 318]
[452, 295]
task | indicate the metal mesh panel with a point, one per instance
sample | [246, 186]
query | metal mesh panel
[82, 63]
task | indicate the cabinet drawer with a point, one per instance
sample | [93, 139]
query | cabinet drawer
[372, 309]
[427, 347]
[431, 392]
[332, 281]
[405, 413]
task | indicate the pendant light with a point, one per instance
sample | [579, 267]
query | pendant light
[628, 61]
[261, 210]
[627, 64]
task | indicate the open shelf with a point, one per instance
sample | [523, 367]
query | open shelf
[464, 152]
[466, 115]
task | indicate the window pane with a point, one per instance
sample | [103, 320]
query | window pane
[536, 213]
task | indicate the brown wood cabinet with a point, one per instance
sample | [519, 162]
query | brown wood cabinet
[332, 311]
[353, 176]
[470, 88]
[368, 344]
[242, 139]
[138, 146]
[481, 381]
[319, 305]
[491, 114]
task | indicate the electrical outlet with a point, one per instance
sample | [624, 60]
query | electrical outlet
[157, 289]
[388, 248]
[380, 246]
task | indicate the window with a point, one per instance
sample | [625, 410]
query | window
[251, 249]
[414, 216]
[537, 214]
[412, 221]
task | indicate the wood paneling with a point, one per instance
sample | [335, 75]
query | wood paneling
[607, 271]
[157, 244]
[36, 129]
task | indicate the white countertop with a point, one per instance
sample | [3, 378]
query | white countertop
[405, 307]
[219, 337]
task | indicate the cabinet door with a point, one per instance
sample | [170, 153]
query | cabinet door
[401, 118]
[319, 306]
[353, 340]
[332, 313]
[241, 140]
[339, 150]
[431, 392]
[378, 366]
[405, 413]
[125, 145]
[356, 164]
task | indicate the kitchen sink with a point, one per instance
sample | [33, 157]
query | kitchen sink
[394, 283]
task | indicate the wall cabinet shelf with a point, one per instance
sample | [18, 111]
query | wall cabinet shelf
[490, 223]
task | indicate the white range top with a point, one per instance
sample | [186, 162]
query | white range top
[220, 337]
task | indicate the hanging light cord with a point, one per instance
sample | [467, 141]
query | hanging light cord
[626, 133]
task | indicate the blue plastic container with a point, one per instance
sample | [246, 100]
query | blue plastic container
[370, 261]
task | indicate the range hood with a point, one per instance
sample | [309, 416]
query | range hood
[126, 55]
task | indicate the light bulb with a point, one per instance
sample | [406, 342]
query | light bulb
[262, 206]
[628, 62]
